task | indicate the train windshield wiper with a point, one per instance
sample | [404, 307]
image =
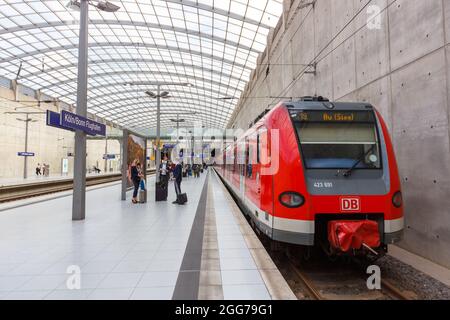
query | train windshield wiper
[348, 172]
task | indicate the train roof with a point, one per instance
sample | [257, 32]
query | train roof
[327, 105]
[319, 104]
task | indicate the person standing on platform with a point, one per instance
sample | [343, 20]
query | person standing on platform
[136, 179]
[164, 172]
[38, 170]
[178, 175]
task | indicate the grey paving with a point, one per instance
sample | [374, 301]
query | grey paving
[124, 251]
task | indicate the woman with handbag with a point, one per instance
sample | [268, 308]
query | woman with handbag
[136, 179]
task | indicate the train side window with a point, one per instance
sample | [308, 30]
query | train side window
[264, 147]
[258, 150]
[253, 149]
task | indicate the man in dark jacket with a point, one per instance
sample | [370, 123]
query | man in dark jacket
[178, 175]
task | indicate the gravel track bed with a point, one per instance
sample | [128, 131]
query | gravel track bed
[407, 278]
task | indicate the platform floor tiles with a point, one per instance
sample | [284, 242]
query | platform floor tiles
[202, 250]
[123, 251]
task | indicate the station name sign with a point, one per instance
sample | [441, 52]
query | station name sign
[335, 116]
[76, 122]
[109, 156]
[70, 121]
[25, 154]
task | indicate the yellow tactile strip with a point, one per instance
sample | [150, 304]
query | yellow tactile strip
[274, 281]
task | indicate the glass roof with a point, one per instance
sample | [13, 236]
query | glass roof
[211, 44]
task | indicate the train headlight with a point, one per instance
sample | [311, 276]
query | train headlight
[291, 199]
[397, 199]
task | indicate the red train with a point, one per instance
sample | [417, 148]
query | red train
[319, 173]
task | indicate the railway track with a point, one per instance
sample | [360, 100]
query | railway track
[23, 191]
[342, 283]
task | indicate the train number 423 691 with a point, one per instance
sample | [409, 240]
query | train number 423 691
[323, 184]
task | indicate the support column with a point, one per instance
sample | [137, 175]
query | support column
[144, 167]
[106, 152]
[158, 134]
[79, 179]
[124, 157]
[25, 159]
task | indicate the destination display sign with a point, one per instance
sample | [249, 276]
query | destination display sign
[76, 122]
[334, 116]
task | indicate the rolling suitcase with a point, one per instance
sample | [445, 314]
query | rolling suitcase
[182, 198]
[161, 192]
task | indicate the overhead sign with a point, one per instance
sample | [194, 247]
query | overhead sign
[25, 154]
[54, 120]
[76, 122]
[70, 121]
[109, 156]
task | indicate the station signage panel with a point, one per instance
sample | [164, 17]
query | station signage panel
[76, 122]
[109, 156]
[54, 120]
[25, 154]
[70, 121]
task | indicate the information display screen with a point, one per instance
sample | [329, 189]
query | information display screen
[335, 116]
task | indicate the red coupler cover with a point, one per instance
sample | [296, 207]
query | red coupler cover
[345, 235]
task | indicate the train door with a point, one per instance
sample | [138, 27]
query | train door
[242, 150]
[252, 183]
[265, 178]
[235, 177]
[257, 169]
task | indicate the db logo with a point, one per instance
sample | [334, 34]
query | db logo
[350, 204]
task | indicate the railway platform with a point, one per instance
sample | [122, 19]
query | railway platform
[202, 250]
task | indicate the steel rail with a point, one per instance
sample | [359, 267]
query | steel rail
[23, 191]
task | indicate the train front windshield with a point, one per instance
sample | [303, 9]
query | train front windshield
[339, 144]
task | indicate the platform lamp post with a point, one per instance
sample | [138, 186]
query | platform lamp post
[158, 96]
[178, 121]
[79, 179]
[27, 121]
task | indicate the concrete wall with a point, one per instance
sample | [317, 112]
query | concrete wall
[402, 68]
[49, 144]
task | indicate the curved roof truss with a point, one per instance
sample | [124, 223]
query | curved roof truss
[75, 23]
[134, 61]
[213, 44]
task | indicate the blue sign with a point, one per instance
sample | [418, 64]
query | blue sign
[76, 122]
[25, 154]
[54, 120]
[109, 156]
